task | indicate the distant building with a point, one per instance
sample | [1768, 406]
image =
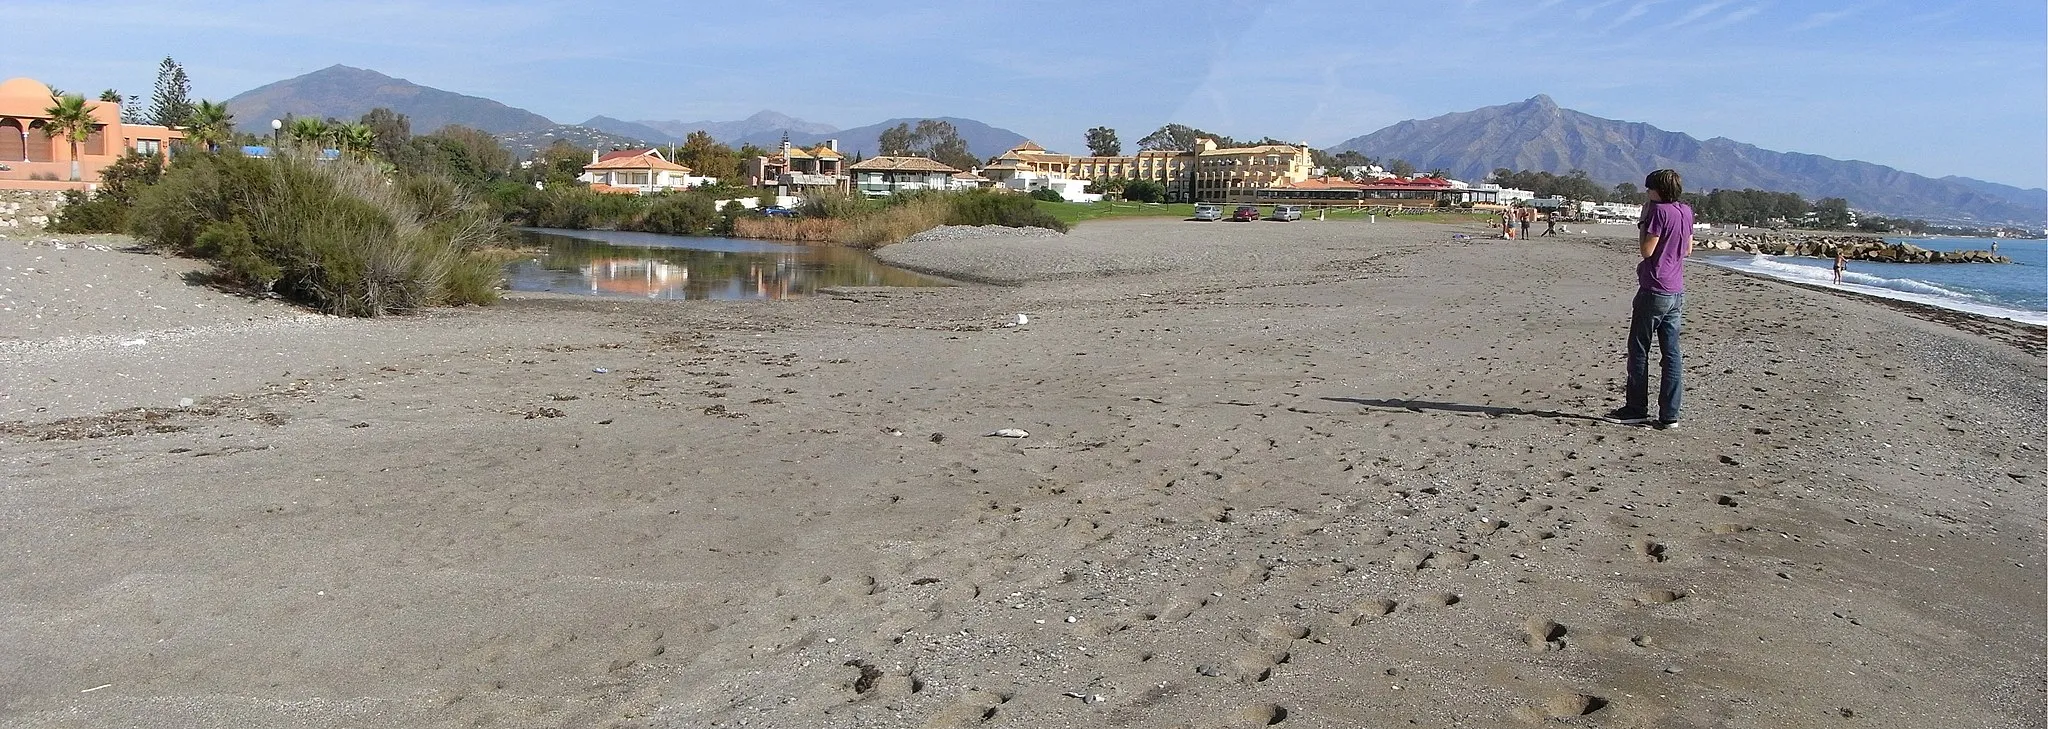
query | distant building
[885, 176]
[1236, 174]
[637, 172]
[797, 170]
[35, 161]
[1410, 191]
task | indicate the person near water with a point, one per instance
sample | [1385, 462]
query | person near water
[1665, 239]
[1841, 263]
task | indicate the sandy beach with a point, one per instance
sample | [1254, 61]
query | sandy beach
[1303, 474]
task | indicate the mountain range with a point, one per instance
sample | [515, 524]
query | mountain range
[761, 124]
[345, 92]
[1537, 134]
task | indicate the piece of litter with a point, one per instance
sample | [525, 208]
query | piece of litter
[1023, 320]
[1010, 433]
[599, 370]
[134, 342]
[95, 688]
[184, 402]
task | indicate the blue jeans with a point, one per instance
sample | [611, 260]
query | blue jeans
[1657, 314]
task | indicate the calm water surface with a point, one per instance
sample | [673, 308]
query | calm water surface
[655, 266]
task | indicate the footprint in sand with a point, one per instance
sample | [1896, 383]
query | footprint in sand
[1366, 611]
[1543, 634]
[1257, 715]
[1648, 550]
[974, 708]
[1256, 666]
[1659, 597]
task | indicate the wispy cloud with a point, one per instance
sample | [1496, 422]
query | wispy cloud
[1634, 11]
[1730, 18]
[1825, 18]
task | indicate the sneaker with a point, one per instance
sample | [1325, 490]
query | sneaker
[1666, 425]
[1625, 416]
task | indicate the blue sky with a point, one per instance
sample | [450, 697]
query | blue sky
[1953, 88]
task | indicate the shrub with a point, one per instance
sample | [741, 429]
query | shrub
[341, 236]
[1047, 194]
[106, 210]
[1144, 191]
[983, 207]
[678, 214]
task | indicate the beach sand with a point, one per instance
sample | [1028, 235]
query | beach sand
[1303, 474]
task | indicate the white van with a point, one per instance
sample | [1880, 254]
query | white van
[1285, 213]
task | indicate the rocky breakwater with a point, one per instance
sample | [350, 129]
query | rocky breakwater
[1853, 247]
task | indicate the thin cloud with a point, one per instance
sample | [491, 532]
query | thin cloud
[1825, 18]
[1731, 18]
[1634, 11]
[1693, 15]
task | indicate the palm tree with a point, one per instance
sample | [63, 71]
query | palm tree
[307, 130]
[71, 120]
[211, 126]
[355, 138]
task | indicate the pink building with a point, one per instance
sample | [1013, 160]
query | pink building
[31, 160]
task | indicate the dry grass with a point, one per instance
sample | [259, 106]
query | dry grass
[801, 230]
[897, 222]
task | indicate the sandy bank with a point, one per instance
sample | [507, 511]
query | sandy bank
[1321, 474]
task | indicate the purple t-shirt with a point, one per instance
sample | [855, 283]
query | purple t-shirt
[1664, 271]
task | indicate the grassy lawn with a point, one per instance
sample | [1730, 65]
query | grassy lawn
[1072, 213]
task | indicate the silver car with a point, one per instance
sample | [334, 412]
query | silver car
[1286, 212]
[1205, 211]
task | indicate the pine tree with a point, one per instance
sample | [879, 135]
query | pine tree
[172, 104]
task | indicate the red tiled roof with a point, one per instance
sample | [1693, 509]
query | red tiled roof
[636, 162]
[901, 164]
[624, 153]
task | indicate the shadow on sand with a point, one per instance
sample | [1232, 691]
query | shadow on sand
[1491, 411]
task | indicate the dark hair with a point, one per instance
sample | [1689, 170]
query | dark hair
[1667, 183]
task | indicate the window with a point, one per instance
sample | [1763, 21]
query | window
[149, 146]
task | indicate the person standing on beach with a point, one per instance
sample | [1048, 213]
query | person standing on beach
[1527, 216]
[1841, 264]
[1665, 238]
[1550, 223]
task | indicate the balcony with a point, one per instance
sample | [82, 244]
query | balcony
[800, 179]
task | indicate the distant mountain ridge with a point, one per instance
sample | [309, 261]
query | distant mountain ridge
[345, 92]
[1537, 134]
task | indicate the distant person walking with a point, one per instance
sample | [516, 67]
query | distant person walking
[1841, 263]
[1665, 239]
[1550, 223]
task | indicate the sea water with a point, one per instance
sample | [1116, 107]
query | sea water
[2017, 290]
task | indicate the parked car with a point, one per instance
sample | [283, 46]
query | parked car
[778, 212]
[1284, 213]
[1204, 211]
[1245, 213]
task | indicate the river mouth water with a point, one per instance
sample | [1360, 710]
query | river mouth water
[654, 266]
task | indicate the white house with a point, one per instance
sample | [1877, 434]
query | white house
[885, 176]
[640, 171]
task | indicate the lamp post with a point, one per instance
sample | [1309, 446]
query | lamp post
[276, 134]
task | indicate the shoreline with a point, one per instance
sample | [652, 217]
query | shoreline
[1338, 474]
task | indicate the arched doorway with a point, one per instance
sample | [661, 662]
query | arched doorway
[39, 144]
[11, 148]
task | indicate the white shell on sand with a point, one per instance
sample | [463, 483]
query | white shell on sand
[1010, 433]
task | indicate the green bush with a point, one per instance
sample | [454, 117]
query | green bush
[687, 213]
[106, 210]
[342, 236]
[1047, 194]
[1144, 191]
[985, 207]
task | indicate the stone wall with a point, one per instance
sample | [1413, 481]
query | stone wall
[27, 210]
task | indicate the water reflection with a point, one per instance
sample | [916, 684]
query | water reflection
[654, 266]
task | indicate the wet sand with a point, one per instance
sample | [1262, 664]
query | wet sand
[1305, 474]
